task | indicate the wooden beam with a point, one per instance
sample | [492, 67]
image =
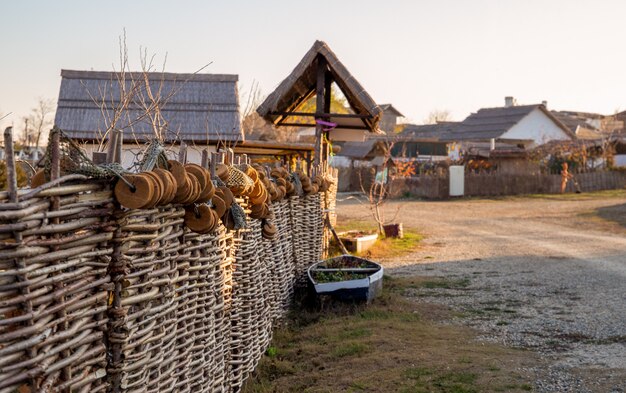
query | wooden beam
[339, 127]
[325, 114]
[11, 170]
[319, 105]
[327, 99]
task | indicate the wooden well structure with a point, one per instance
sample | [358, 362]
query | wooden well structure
[314, 76]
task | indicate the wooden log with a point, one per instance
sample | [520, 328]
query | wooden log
[319, 105]
[10, 164]
[205, 159]
[119, 141]
[214, 160]
[182, 153]
[53, 183]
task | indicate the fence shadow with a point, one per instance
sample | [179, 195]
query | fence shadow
[614, 213]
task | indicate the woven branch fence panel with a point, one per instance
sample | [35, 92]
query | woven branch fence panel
[55, 252]
[94, 298]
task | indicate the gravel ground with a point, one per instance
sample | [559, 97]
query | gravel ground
[542, 274]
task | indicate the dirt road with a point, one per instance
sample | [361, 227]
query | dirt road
[547, 274]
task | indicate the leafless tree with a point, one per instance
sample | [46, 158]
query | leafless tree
[38, 122]
[378, 192]
[136, 90]
[437, 116]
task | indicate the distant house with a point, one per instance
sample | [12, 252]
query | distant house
[506, 133]
[586, 126]
[198, 109]
[527, 125]
[426, 142]
[361, 162]
[389, 120]
[371, 152]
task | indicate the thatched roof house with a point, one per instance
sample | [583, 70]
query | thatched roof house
[196, 108]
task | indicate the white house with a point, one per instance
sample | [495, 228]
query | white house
[527, 125]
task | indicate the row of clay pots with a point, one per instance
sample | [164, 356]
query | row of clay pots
[179, 184]
[191, 185]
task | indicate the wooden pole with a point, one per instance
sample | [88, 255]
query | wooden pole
[319, 107]
[214, 159]
[230, 156]
[10, 162]
[55, 173]
[119, 141]
[205, 159]
[307, 159]
[182, 153]
[327, 99]
[55, 155]
[111, 146]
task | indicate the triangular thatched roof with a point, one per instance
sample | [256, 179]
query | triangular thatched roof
[300, 85]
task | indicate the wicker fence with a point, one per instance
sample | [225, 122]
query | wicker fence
[95, 298]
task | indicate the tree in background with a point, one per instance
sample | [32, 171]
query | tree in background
[254, 126]
[22, 177]
[38, 122]
[338, 104]
[438, 116]
[257, 128]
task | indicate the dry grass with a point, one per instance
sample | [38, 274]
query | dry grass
[393, 345]
[571, 196]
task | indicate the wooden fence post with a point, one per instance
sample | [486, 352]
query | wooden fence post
[205, 159]
[182, 153]
[10, 163]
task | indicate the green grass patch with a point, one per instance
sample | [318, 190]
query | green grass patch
[349, 349]
[393, 344]
[384, 248]
[446, 283]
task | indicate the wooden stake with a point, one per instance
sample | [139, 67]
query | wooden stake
[230, 156]
[319, 106]
[10, 162]
[205, 159]
[55, 155]
[182, 153]
[119, 141]
[111, 146]
[214, 159]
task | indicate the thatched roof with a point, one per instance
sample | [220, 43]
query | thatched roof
[301, 84]
[429, 132]
[389, 108]
[198, 108]
[363, 150]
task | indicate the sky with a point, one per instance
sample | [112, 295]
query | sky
[421, 55]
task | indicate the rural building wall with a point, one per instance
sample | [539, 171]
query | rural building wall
[538, 127]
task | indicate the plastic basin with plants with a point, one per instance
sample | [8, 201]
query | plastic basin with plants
[347, 278]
